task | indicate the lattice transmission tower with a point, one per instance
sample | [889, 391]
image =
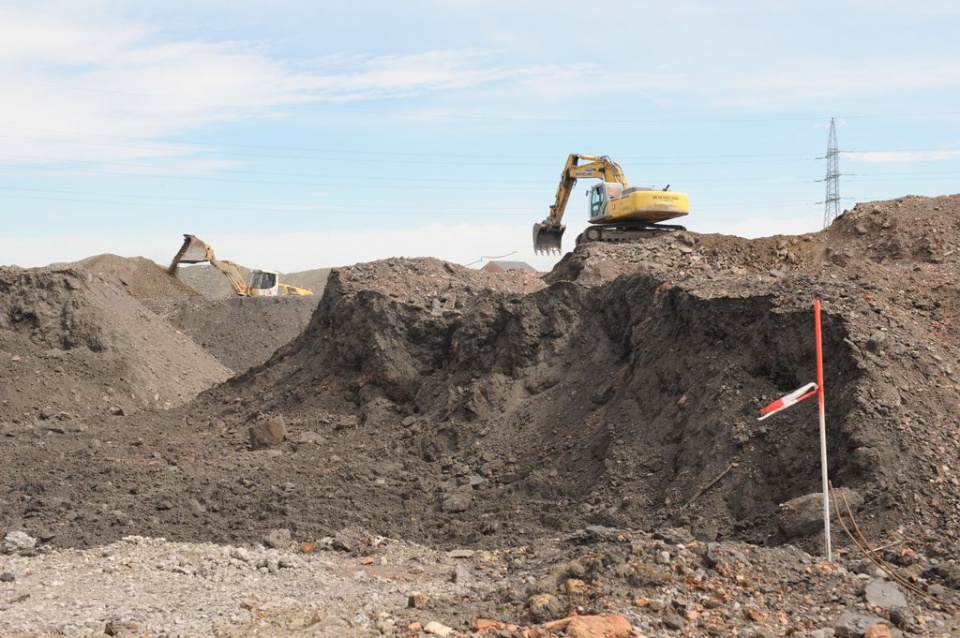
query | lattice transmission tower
[831, 203]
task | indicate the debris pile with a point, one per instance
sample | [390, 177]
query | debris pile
[592, 437]
[74, 344]
[140, 277]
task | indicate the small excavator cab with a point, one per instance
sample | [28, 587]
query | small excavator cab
[261, 280]
[547, 237]
[263, 284]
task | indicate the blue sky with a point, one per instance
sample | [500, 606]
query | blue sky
[294, 135]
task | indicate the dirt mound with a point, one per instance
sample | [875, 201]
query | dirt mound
[241, 332]
[909, 229]
[516, 414]
[616, 403]
[140, 277]
[209, 281]
[315, 280]
[75, 344]
[444, 405]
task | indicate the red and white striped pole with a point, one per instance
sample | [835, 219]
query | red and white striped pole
[796, 397]
[823, 434]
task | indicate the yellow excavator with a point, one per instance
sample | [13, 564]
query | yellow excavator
[617, 210]
[263, 283]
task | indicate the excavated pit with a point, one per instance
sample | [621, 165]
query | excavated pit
[433, 403]
[571, 406]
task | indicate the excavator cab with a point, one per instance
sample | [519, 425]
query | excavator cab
[263, 284]
[600, 195]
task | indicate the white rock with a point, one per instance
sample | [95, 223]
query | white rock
[433, 627]
[17, 543]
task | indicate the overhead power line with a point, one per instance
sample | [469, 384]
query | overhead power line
[172, 149]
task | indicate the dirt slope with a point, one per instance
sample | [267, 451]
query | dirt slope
[241, 332]
[140, 277]
[74, 344]
[432, 403]
[238, 332]
[448, 406]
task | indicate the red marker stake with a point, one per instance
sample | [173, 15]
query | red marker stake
[823, 434]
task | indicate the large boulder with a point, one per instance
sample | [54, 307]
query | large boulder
[803, 516]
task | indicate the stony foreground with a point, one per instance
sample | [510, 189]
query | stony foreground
[665, 584]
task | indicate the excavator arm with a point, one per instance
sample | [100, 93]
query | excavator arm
[262, 283]
[194, 251]
[548, 233]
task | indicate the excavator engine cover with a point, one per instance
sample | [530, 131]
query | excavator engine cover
[547, 237]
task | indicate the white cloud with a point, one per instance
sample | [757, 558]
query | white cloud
[800, 222]
[890, 157]
[292, 252]
[85, 70]
[67, 73]
[466, 244]
[41, 36]
[394, 75]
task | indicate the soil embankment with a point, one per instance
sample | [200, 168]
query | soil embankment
[604, 416]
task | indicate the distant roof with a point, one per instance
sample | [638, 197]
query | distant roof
[513, 265]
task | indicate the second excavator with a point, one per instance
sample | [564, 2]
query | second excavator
[617, 210]
[263, 283]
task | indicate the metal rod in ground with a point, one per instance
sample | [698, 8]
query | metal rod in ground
[714, 481]
[823, 434]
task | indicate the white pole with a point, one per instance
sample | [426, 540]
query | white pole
[823, 435]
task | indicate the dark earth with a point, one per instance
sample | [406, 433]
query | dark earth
[612, 403]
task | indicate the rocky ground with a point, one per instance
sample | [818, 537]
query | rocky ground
[439, 450]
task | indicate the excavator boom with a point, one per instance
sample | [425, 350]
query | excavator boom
[616, 205]
[547, 235]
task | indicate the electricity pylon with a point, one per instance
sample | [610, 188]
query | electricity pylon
[831, 204]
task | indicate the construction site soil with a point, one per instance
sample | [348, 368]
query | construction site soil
[456, 445]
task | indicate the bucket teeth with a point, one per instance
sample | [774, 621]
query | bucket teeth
[547, 238]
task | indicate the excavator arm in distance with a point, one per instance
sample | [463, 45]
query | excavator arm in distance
[262, 283]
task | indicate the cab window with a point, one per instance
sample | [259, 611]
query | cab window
[596, 201]
[263, 280]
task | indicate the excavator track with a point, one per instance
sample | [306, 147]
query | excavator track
[625, 232]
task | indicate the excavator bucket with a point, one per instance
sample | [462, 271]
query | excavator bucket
[193, 251]
[547, 237]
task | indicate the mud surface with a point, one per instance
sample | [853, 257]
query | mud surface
[452, 408]
[240, 332]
